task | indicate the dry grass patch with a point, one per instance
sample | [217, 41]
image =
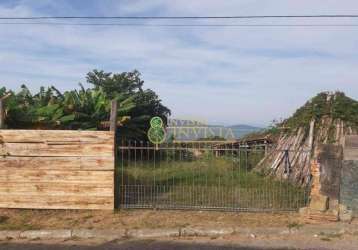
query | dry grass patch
[25, 219]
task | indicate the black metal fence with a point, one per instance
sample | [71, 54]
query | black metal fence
[205, 176]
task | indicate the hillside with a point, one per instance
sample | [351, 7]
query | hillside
[243, 130]
[326, 118]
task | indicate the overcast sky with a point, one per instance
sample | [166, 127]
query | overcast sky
[226, 75]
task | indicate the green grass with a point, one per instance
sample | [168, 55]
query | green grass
[207, 181]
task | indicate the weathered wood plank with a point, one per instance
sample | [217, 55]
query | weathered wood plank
[55, 202]
[56, 176]
[56, 136]
[41, 149]
[58, 163]
[57, 189]
[46, 169]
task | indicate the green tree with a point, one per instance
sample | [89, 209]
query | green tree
[130, 85]
[87, 108]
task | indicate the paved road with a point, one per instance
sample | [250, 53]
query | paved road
[131, 245]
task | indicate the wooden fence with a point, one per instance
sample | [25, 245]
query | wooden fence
[57, 169]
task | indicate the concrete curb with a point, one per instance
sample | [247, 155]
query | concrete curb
[187, 232]
[45, 234]
[307, 230]
[152, 233]
[8, 235]
[98, 234]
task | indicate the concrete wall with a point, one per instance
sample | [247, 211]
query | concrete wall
[349, 186]
[349, 181]
[330, 161]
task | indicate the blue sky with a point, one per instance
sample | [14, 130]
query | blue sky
[222, 75]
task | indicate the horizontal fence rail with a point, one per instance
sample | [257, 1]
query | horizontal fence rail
[205, 176]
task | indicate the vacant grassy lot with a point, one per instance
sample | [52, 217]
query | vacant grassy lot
[207, 181]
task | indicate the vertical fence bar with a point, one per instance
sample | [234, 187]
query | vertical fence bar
[192, 156]
[211, 164]
[127, 181]
[153, 152]
[181, 178]
[167, 166]
[172, 192]
[239, 179]
[135, 187]
[147, 184]
[247, 184]
[141, 184]
[233, 185]
[121, 185]
[200, 196]
[160, 177]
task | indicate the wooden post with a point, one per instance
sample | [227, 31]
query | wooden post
[266, 148]
[113, 118]
[2, 114]
[113, 127]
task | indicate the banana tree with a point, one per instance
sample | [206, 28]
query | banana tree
[76, 109]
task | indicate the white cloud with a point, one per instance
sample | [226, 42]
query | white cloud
[232, 75]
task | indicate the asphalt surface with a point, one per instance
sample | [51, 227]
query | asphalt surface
[133, 245]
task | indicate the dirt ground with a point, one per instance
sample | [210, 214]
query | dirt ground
[26, 219]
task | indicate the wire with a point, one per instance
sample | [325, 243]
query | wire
[180, 25]
[181, 17]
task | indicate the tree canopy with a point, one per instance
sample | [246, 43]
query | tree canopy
[86, 108]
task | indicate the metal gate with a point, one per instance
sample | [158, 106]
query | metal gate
[205, 176]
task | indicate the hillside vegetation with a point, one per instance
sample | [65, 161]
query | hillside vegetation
[337, 106]
[326, 118]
